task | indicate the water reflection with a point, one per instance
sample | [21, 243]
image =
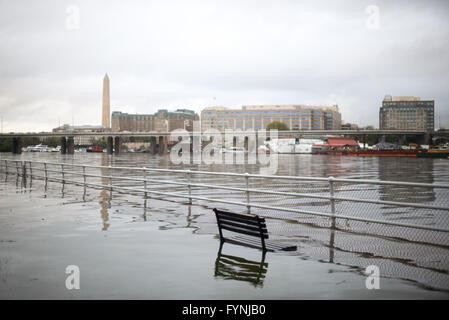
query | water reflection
[318, 165]
[332, 243]
[406, 170]
[145, 209]
[228, 267]
[62, 190]
[105, 195]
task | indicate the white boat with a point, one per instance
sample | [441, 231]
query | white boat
[286, 145]
[290, 146]
[303, 148]
[37, 148]
[305, 145]
[42, 148]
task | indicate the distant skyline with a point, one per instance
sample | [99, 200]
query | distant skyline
[197, 54]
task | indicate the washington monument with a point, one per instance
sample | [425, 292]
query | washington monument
[106, 117]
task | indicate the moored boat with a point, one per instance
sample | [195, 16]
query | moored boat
[383, 153]
[95, 149]
[434, 153]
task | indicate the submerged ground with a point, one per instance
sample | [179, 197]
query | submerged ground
[129, 248]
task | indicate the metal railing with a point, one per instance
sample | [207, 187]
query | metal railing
[424, 206]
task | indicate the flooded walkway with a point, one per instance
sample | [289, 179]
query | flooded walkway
[127, 247]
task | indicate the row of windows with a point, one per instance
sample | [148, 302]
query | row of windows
[267, 116]
[268, 119]
[261, 111]
[405, 103]
[408, 108]
[258, 113]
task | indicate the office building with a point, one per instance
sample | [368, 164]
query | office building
[257, 117]
[84, 139]
[406, 113]
[161, 121]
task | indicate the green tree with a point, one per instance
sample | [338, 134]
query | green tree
[5, 145]
[369, 139]
[52, 141]
[280, 126]
[99, 142]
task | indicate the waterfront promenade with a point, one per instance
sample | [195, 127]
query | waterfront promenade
[68, 222]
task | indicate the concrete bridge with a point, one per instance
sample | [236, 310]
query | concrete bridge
[159, 140]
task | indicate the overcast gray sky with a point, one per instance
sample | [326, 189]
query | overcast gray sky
[195, 54]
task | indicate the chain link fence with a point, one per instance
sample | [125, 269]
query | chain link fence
[402, 227]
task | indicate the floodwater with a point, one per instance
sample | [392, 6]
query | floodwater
[128, 247]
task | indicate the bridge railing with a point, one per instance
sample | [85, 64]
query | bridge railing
[405, 210]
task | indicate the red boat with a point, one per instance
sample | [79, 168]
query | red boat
[95, 149]
[412, 151]
[383, 153]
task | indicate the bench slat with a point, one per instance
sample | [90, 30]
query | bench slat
[268, 244]
[254, 229]
[243, 221]
[243, 231]
[240, 216]
[257, 244]
[246, 244]
[248, 222]
[242, 226]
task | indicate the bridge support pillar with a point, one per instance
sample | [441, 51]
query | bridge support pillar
[245, 143]
[16, 145]
[63, 145]
[162, 145]
[110, 145]
[258, 142]
[70, 145]
[153, 145]
[118, 145]
[196, 145]
[427, 138]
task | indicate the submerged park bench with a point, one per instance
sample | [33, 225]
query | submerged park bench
[254, 230]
